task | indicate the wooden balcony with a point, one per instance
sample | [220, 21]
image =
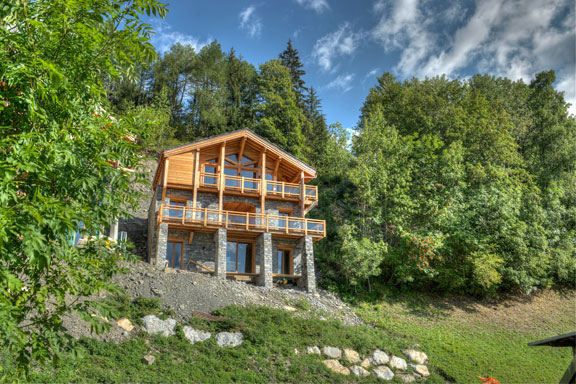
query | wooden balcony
[204, 218]
[248, 186]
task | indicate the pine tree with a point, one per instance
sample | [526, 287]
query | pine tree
[290, 59]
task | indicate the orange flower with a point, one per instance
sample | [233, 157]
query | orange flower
[488, 380]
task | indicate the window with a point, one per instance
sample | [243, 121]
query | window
[283, 262]
[176, 213]
[284, 213]
[209, 170]
[175, 253]
[238, 257]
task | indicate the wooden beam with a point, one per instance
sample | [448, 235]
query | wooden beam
[221, 174]
[263, 182]
[276, 169]
[165, 181]
[241, 153]
[298, 176]
[191, 237]
[196, 176]
[302, 194]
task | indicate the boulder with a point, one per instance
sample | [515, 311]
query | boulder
[229, 339]
[359, 371]
[125, 324]
[398, 363]
[421, 369]
[148, 360]
[379, 357]
[153, 325]
[365, 363]
[416, 356]
[335, 366]
[194, 335]
[351, 355]
[332, 352]
[384, 373]
[313, 350]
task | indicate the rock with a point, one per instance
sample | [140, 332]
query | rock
[416, 356]
[359, 371]
[379, 357]
[407, 378]
[334, 365]
[229, 339]
[289, 308]
[421, 369]
[313, 350]
[351, 355]
[296, 351]
[398, 363]
[155, 326]
[332, 352]
[194, 335]
[384, 373]
[365, 363]
[148, 360]
[125, 324]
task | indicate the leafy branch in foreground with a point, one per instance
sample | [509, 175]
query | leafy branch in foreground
[59, 157]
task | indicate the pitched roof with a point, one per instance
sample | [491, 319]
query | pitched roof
[245, 132]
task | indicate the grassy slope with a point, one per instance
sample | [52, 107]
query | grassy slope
[267, 354]
[463, 338]
[467, 338]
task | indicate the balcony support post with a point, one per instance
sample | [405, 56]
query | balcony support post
[161, 243]
[263, 183]
[222, 176]
[264, 244]
[302, 195]
[220, 256]
[308, 280]
[196, 177]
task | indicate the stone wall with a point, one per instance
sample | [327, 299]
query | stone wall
[264, 258]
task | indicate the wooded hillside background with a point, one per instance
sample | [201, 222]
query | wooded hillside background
[463, 185]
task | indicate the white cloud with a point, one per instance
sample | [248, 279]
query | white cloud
[372, 73]
[318, 6]
[342, 82]
[513, 38]
[165, 37]
[250, 22]
[342, 42]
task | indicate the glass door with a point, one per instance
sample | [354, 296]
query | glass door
[238, 257]
[175, 253]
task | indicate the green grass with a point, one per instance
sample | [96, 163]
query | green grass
[465, 338]
[267, 354]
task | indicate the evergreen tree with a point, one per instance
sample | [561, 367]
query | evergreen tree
[290, 59]
[278, 114]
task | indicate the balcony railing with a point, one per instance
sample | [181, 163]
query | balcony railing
[249, 185]
[252, 222]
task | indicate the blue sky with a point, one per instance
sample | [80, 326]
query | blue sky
[345, 45]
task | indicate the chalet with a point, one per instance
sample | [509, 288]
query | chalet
[235, 205]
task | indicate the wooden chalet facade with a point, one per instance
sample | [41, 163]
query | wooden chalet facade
[235, 205]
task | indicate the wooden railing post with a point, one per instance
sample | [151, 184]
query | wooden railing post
[226, 219]
[283, 189]
[247, 221]
[183, 214]
[242, 184]
[205, 216]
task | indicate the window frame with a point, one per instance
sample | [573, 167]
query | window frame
[175, 240]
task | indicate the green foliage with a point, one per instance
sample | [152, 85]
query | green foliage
[278, 113]
[470, 184]
[58, 146]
